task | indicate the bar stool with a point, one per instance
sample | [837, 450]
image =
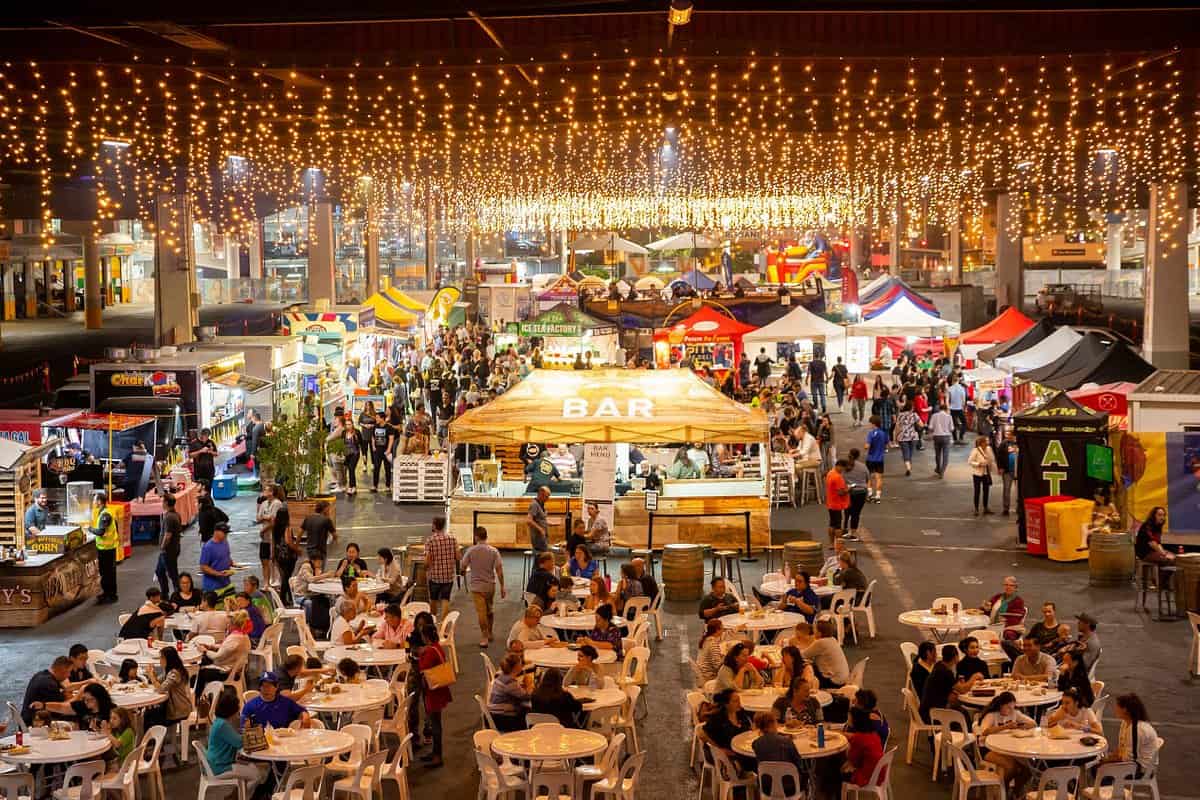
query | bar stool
[725, 563]
[773, 551]
[1164, 578]
[648, 556]
[809, 479]
[526, 565]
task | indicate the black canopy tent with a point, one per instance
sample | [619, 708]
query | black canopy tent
[1026, 340]
[1119, 363]
[1088, 350]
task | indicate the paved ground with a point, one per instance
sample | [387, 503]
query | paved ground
[922, 543]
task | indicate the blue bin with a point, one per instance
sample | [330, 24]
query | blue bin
[224, 488]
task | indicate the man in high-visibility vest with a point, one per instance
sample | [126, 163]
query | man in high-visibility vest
[108, 539]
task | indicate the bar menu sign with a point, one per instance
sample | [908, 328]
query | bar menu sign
[599, 478]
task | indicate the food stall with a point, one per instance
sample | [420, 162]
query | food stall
[274, 362]
[561, 290]
[708, 338]
[395, 323]
[29, 425]
[566, 332]
[44, 575]
[608, 411]
[799, 331]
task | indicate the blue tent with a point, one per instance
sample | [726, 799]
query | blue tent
[696, 279]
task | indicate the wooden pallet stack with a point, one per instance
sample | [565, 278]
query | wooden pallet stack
[420, 479]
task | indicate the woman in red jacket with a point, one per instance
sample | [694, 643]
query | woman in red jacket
[435, 699]
[858, 400]
[865, 748]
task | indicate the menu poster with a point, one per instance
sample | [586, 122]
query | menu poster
[599, 478]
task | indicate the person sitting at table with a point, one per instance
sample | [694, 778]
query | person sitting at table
[800, 598]
[718, 602]
[80, 673]
[849, 576]
[577, 536]
[529, 630]
[864, 749]
[509, 700]
[252, 587]
[798, 705]
[1062, 641]
[1034, 665]
[737, 672]
[1087, 642]
[832, 564]
[242, 601]
[211, 620]
[582, 565]
[682, 467]
[231, 653]
[271, 707]
[1074, 714]
[605, 636]
[355, 596]
[176, 685]
[343, 631]
[725, 721]
[922, 665]
[599, 536]
[541, 579]
[1001, 716]
[347, 670]
[943, 686]
[45, 691]
[186, 597]
[584, 673]
[394, 633]
[1008, 608]
[225, 743]
[629, 586]
[121, 736]
[597, 594]
[867, 700]
[1104, 512]
[970, 664]
[1148, 544]
[792, 665]
[391, 574]
[148, 620]
[295, 668]
[352, 564]
[91, 708]
[128, 672]
[1045, 630]
[710, 655]
[1073, 674]
[827, 657]
[549, 697]
[649, 585]
[775, 747]
[1137, 740]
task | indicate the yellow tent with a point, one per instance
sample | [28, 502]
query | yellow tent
[611, 405]
[389, 314]
[405, 301]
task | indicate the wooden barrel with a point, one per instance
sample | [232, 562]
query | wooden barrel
[683, 571]
[1110, 559]
[1187, 582]
[803, 556]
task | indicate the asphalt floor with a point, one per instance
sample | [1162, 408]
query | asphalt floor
[920, 542]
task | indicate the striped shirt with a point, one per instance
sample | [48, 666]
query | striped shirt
[441, 557]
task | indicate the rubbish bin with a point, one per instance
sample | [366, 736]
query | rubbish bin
[1066, 529]
[1035, 522]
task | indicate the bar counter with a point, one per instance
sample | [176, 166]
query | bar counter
[46, 584]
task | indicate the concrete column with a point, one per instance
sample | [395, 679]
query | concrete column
[30, 289]
[255, 248]
[92, 299]
[1010, 281]
[8, 288]
[48, 281]
[471, 248]
[956, 260]
[897, 238]
[371, 249]
[68, 268]
[320, 254]
[1166, 282]
[431, 243]
[856, 247]
[176, 301]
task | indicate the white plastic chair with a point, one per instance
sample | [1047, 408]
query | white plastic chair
[694, 700]
[348, 763]
[841, 607]
[859, 673]
[212, 690]
[879, 784]
[410, 610]
[634, 667]
[728, 778]
[1100, 704]
[624, 720]
[446, 636]
[237, 678]
[124, 782]
[18, 785]
[209, 781]
[655, 613]
[152, 741]
[708, 767]
[493, 783]
[366, 781]
[314, 724]
[863, 607]
[908, 651]
[489, 668]
[635, 607]
[1110, 780]
[775, 776]
[396, 771]
[14, 716]
[625, 785]
[697, 676]
[248, 695]
[87, 774]
[482, 741]
[952, 729]
[302, 784]
[296, 650]
[485, 716]
[396, 724]
[268, 646]
[1096, 663]
[1055, 784]
[1149, 780]
[373, 719]
[605, 768]
[122, 619]
[916, 725]
[967, 777]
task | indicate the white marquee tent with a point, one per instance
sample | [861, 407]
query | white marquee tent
[904, 318]
[1041, 353]
[799, 323]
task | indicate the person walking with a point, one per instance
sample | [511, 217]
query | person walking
[818, 374]
[484, 568]
[167, 569]
[840, 377]
[956, 399]
[983, 464]
[857, 481]
[907, 423]
[383, 442]
[441, 561]
[877, 442]
[858, 401]
[1006, 463]
[941, 428]
[837, 498]
[287, 548]
[762, 366]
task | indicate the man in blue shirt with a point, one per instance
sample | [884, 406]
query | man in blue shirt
[956, 396]
[271, 707]
[801, 599]
[877, 442]
[37, 516]
[216, 563]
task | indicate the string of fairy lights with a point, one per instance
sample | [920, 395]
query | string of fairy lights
[758, 146]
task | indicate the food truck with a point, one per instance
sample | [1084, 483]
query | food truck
[276, 361]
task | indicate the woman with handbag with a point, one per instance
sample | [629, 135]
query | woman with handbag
[438, 676]
[983, 463]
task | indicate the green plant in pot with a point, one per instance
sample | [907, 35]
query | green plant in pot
[294, 456]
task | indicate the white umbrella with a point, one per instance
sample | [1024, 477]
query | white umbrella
[684, 241]
[649, 283]
[610, 242]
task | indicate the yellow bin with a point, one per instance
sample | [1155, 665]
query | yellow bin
[1067, 523]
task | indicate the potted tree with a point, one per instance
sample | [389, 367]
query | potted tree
[293, 455]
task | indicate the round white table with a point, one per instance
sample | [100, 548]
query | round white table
[350, 697]
[563, 657]
[584, 621]
[596, 699]
[1037, 744]
[366, 655]
[149, 658]
[942, 626]
[82, 745]
[333, 586]
[1029, 695]
[135, 696]
[805, 740]
[179, 621]
[771, 620]
[778, 588]
[303, 745]
[755, 700]
[550, 742]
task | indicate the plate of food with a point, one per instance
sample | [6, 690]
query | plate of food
[15, 749]
[1090, 741]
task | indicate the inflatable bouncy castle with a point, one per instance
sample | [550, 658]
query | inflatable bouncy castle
[795, 263]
